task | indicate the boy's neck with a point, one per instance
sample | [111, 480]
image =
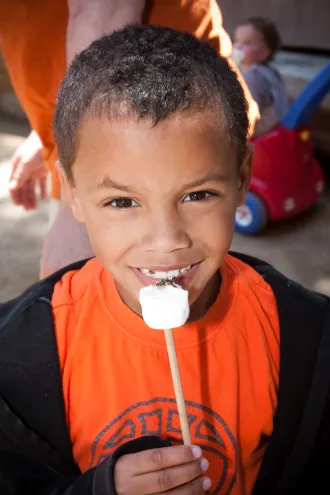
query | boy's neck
[207, 299]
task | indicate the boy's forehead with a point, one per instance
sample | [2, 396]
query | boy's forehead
[188, 141]
[95, 131]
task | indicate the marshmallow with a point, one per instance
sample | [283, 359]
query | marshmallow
[237, 56]
[164, 306]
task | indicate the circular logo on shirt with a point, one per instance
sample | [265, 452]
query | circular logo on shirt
[160, 417]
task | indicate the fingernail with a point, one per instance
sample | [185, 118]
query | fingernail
[204, 464]
[207, 484]
[197, 451]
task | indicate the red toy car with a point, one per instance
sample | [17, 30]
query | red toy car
[287, 179]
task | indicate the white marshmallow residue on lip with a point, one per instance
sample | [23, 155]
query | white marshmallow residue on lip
[165, 306]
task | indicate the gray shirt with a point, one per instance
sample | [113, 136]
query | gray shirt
[268, 90]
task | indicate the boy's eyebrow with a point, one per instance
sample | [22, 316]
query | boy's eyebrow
[210, 176]
[108, 183]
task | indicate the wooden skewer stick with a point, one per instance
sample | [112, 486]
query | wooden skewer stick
[177, 386]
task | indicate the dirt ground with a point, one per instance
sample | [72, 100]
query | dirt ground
[300, 248]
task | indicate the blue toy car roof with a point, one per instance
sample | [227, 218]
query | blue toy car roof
[304, 107]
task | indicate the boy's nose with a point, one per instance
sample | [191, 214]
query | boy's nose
[166, 233]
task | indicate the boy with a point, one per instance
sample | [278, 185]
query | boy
[256, 42]
[26, 46]
[151, 128]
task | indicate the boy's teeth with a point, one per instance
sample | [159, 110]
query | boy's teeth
[161, 275]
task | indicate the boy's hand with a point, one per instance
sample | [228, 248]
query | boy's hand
[175, 469]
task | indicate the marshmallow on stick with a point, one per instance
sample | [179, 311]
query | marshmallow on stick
[165, 306]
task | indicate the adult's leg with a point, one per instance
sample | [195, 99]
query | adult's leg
[66, 242]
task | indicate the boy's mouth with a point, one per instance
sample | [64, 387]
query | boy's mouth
[160, 275]
[182, 276]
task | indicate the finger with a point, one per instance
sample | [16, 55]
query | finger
[18, 176]
[196, 487]
[43, 188]
[15, 196]
[158, 459]
[26, 202]
[167, 479]
[13, 184]
[29, 198]
[32, 195]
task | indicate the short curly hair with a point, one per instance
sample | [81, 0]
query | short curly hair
[147, 71]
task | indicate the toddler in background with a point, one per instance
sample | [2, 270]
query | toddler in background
[256, 42]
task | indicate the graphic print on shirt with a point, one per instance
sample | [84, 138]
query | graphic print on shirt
[160, 417]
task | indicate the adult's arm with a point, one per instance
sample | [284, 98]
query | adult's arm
[90, 19]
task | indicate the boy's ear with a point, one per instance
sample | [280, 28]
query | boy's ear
[245, 174]
[69, 194]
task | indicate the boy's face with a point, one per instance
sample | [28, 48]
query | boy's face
[251, 44]
[158, 199]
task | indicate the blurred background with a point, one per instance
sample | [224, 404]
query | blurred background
[299, 247]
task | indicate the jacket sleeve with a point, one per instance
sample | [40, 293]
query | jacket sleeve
[318, 466]
[20, 476]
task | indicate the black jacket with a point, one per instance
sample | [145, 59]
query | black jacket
[35, 451]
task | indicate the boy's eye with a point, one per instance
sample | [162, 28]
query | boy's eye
[122, 203]
[198, 196]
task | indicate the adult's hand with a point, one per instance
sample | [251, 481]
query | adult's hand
[28, 174]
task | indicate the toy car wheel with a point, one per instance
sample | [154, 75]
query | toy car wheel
[252, 216]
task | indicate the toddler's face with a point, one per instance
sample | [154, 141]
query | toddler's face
[251, 45]
[158, 199]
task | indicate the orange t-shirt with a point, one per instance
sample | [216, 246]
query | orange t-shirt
[117, 382]
[32, 40]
